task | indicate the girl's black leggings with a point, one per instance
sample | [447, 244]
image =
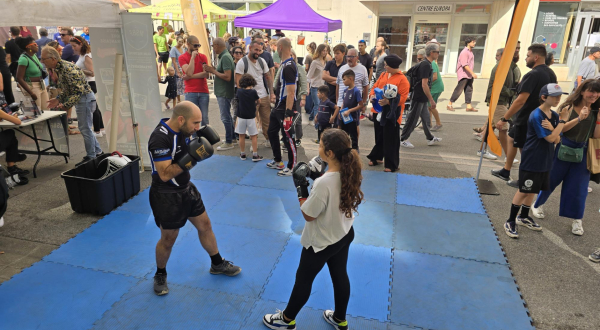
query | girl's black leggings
[311, 263]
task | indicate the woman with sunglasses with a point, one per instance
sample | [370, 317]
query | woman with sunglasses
[29, 72]
[82, 48]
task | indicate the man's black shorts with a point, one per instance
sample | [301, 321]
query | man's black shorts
[172, 209]
[533, 182]
[163, 57]
[519, 135]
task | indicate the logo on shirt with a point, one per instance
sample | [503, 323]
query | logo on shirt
[528, 183]
[161, 152]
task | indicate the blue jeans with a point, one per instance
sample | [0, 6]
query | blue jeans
[315, 100]
[201, 100]
[85, 117]
[225, 109]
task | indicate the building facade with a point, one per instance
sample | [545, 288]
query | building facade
[567, 28]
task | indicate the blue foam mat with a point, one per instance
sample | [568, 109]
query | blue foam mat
[183, 308]
[260, 208]
[262, 176]
[255, 251]
[448, 293]
[222, 169]
[139, 203]
[379, 186]
[459, 194]
[457, 234]
[368, 270]
[122, 242]
[374, 224]
[308, 318]
[55, 296]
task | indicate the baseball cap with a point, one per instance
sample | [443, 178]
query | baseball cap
[552, 90]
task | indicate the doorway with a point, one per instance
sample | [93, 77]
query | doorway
[427, 29]
[476, 27]
[584, 35]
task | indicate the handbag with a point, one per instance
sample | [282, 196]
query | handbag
[570, 154]
[593, 156]
[44, 73]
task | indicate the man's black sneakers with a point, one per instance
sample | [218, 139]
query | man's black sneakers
[501, 174]
[16, 170]
[160, 284]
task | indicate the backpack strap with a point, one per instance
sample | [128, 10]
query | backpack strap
[245, 60]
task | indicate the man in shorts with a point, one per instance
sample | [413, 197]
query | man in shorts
[160, 48]
[173, 198]
[527, 100]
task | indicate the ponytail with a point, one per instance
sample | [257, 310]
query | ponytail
[339, 143]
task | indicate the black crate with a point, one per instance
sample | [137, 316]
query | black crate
[89, 194]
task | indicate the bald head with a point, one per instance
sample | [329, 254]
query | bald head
[285, 43]
[184, 109]
[219, 42]
[219, 45]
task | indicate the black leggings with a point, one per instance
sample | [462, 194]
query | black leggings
[9, 144]
[311, 263]
[97, 115]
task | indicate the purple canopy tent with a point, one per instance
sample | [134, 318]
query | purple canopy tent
[293, 15]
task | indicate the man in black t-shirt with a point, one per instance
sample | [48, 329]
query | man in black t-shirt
[283, 113]
[365, 58]
[527, 100]
[173, 198]
[13, 50]
[332, 69]
[421, 98]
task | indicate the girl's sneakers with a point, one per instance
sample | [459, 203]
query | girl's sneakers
[276, 321]
[328, 315]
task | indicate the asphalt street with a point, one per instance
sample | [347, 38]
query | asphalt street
[557, 281]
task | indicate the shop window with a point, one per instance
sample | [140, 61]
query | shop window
[394, 31]
[479, 32]
[554, 27]
[425, 32]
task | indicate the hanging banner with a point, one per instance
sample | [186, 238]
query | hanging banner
[502, 70]
[194, 22]
[107, 42]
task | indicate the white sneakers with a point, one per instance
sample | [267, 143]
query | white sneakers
[538, 212]
[487, 155]
[577, 227]
[225, 146]
[406, 144]
[433, 141]
[1, 221]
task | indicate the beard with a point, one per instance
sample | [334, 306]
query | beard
[530, 64]
[255, 56]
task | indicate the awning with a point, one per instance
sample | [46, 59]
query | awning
[293, 15]
[171, 10]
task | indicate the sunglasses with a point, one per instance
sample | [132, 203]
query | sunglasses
[64, 34]
[196, 45]
[350, 56]
[238, 53]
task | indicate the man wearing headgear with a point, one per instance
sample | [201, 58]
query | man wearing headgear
[387, 122]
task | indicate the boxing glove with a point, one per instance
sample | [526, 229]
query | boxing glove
[317, 167]
[299, 174]
[209, 134]
[199, 149]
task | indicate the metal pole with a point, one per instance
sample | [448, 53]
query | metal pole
[480, 160]
[116, 103]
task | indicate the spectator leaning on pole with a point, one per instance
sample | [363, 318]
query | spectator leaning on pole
[75, 91]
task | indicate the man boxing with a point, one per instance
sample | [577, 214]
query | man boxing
[173, 198]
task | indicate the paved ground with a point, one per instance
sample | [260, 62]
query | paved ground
[556, 280]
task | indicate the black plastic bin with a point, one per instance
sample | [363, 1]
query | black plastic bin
[89, 194]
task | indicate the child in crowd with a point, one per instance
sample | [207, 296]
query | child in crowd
[327, 111]
[329, 214]
[353, 102]
[246, 112]
[543, 131]
[171, 81]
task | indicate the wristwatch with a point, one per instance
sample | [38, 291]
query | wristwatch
[504, 120]
[562, 122]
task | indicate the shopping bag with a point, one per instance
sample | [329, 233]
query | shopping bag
[593, 159]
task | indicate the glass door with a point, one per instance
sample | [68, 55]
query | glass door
[584, 35]
[395, 32]
[476, 27]
[426, 30]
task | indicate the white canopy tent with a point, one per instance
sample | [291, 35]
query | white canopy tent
[96, 13]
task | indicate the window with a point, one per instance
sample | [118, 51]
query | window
[554, 27]
[394, 31]
[479, 32]
[425, 32]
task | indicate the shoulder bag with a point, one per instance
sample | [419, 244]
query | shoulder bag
[570, 154]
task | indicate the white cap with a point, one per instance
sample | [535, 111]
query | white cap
[552, 90]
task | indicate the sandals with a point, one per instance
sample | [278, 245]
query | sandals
[477, 129]
[472, 110]
[449, 108]
[74, 132]
[375, 163]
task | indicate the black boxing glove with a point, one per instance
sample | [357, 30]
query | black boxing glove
[317, 167]
[200, 149]
[209, 134]
[289, 113]
[299, 174]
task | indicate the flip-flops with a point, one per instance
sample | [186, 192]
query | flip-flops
[449, 108]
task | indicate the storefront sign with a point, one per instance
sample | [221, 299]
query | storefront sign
[551, 25]
[433, 9]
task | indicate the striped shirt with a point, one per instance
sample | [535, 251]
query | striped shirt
[361, 79]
